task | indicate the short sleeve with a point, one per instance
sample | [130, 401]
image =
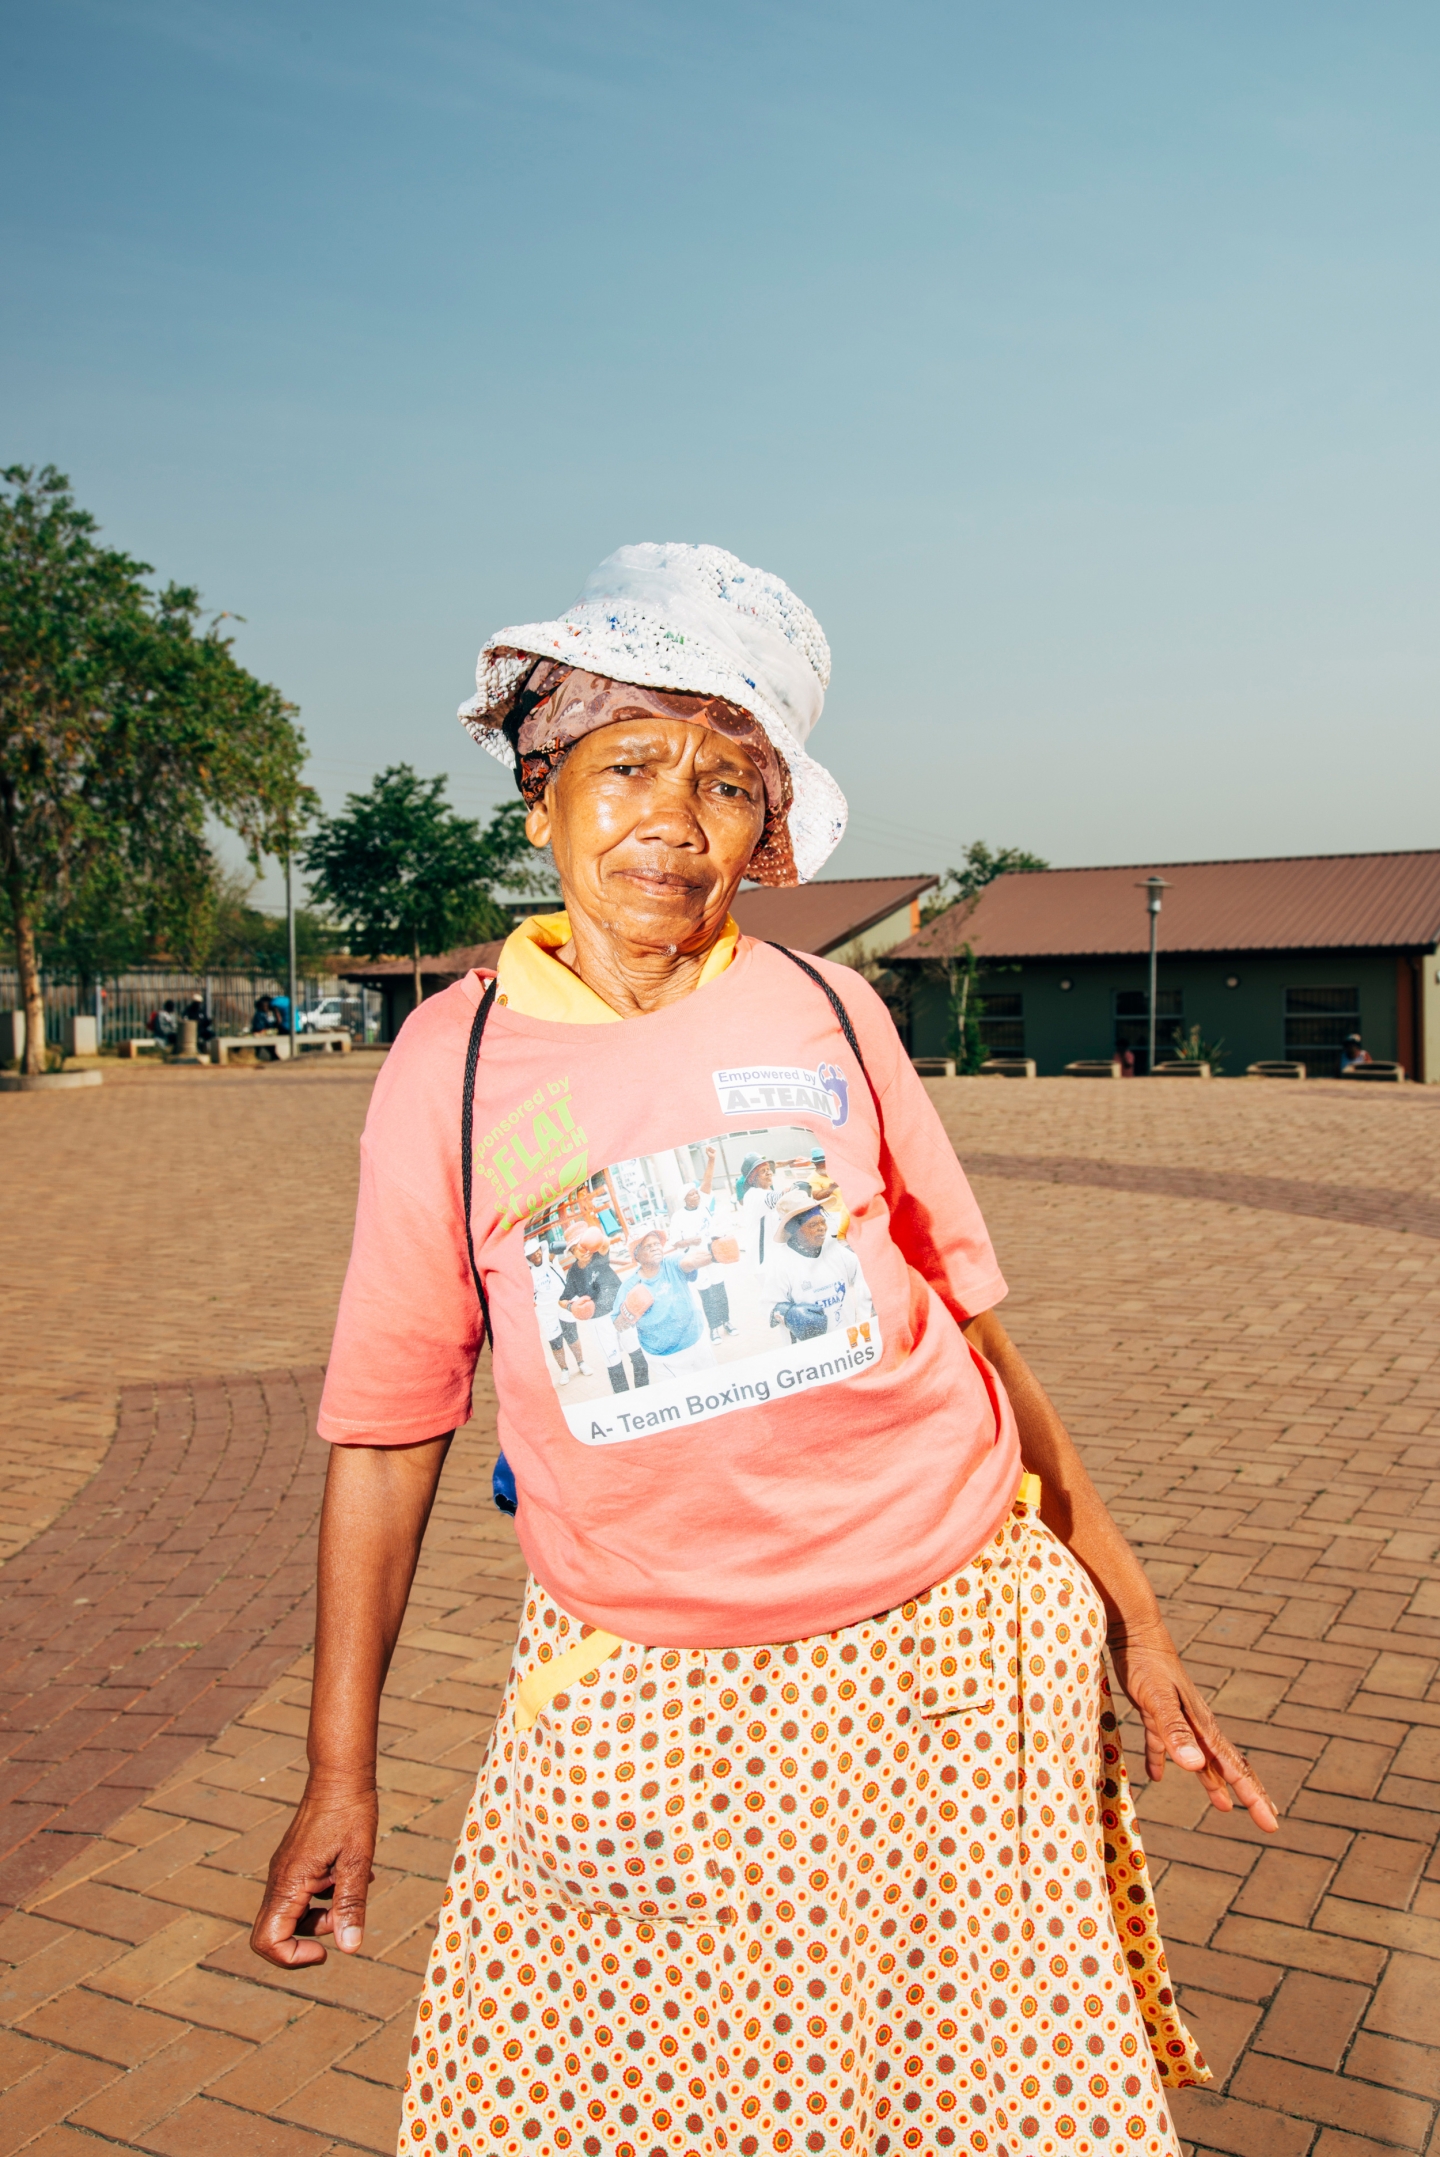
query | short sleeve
[408, 1332]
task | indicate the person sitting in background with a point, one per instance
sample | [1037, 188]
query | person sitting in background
[204, 1025]
[1353, 1055]
[263, 1020]
[165, 1023]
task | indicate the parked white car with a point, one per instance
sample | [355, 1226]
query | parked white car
[328, 1016]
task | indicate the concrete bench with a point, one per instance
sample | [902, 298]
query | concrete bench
[130, 1048]
[1275, 1068]
[934, 1066]
[1021, 1067]
[1183, 1067]
[1093, 1067]
[224, 1046]
[1385, 1073]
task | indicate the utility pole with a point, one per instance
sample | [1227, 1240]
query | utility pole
[290, 938]
[1154, 885]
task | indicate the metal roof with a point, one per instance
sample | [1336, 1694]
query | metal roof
[826, 915]
[441, 965]
[1291, 903]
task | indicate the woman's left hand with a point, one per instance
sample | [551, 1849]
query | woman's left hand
[1179, 1725]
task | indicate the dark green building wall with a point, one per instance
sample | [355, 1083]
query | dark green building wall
[1063, 1025]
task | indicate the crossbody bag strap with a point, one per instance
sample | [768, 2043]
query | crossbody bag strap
[467, 1149]
[841, 1014]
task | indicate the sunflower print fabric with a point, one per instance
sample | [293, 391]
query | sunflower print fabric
[874, 1892]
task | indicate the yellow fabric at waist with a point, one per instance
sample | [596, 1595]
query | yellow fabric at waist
[583, 1660]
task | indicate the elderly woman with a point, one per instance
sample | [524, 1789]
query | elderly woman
[661, 1306]
[803, 1826]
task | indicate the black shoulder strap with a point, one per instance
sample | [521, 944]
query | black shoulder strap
[467, 1151]
[841, 1014]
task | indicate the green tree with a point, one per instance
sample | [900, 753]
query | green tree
[963, 1037]
[107, 925]
[980, 865]
[401, 871]
[515, 866]
[123, 725]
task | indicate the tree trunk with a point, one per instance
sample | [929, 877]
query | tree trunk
[419, 977]
[32, 995]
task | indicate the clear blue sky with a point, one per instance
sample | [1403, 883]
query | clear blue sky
[1077, 363]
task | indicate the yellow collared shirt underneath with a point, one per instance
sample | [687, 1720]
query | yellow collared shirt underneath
[539, 986]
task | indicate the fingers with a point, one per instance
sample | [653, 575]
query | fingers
[325, 1858]
[1239, 1779]
[347, 1910]
[1180, 1727]
[1186, 1731]
[276, 1935]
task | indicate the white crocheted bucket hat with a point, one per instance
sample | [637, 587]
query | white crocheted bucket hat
[696, 621]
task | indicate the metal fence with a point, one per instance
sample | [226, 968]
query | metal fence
[123, 1006]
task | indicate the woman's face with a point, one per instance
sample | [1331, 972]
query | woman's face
[652, 823]
[649, 1253]
[807, 1232]
[764, 1175]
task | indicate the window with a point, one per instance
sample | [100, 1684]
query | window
[1132, 1023]
[1316, 1023]
[1002, 1024]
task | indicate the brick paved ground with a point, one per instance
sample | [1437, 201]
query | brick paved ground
[1233, 1292]
[1237, 1302]
[167, 1223]
[164, 1598]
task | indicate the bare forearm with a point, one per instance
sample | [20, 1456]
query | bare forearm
[377, 1503]
[1070, 1505]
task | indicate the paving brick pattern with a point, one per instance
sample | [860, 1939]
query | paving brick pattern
[168, 1223]
[1237, 1303]
[1252, 1374]
[132, 2012]
[167, 1595]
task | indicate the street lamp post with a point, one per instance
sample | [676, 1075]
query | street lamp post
[1154, 885]
[290, 938]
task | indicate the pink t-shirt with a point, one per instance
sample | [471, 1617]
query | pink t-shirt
[768, 1423]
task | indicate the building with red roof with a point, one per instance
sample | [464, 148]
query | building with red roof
[1279, 959]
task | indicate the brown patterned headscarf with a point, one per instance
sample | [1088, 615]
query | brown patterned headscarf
[558, 705]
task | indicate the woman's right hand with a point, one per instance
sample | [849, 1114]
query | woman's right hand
[377, 1501]
[325, 1856]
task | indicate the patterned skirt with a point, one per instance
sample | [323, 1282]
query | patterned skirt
[877, 1891]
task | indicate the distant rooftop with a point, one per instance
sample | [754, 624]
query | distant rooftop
[440, 965]
[827, 915]
[1287, 903]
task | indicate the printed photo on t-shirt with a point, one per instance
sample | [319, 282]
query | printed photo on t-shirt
[686, 1284]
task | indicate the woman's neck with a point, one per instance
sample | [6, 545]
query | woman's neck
[632, 978]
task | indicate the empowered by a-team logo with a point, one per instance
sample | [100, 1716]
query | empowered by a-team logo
[759, 1087]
